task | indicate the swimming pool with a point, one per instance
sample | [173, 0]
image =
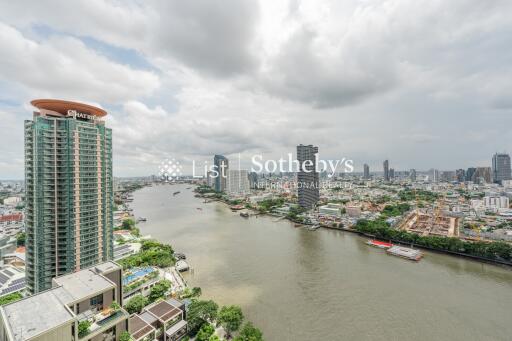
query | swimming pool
[137, 274]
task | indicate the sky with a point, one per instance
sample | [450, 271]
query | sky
[425, 84]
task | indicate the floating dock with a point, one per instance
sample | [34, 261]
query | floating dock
[405, 252]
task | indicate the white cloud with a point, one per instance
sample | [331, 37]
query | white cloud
[65, 67]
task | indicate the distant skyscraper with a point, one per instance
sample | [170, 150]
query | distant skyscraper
[307, 177]
[253, 179]
[470, 172]
[391, 173]
[366, 171]
[501, 167]
[386, 170]
[69, 190]
[433, 175]
[482, 175]
[412, 174]
[221, 165]
[238, 182]
[460, 175]
[447, 176]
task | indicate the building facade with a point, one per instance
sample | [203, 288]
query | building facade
[69, 190]
[366, 171]
[501, 167]
[308, 187]
[221, 166]
[238, 182]
[386, 170]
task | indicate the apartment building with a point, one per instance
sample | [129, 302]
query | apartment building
[83, 306]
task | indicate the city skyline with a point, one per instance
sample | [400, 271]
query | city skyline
[292, 67]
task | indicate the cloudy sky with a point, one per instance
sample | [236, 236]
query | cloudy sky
[423, 83]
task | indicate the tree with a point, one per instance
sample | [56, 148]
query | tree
[115, 306]
[249, 333]
[158, 290]
[128, 224]
[136, 303]
[205, 332]
[125, 336]
[200, 312]
[214, 338]
[83, 327]
[231, 317]
[20, 239]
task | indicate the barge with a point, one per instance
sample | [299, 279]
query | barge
[405, 252]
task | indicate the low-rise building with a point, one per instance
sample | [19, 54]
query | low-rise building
[330, 210]
[167, 318]
[83, 298]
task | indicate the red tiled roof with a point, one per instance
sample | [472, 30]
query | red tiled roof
[11, 217]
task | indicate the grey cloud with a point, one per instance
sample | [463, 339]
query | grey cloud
[213, 37]
[302, 73]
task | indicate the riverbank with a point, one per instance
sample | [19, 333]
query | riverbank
[499, 262]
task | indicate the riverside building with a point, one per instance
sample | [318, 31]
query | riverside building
[307, 178]
[69, 190]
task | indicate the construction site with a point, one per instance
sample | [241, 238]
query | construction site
[431, 224]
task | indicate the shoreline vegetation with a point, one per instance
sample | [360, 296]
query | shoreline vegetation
[497, 252]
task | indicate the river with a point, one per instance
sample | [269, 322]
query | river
[302, 285]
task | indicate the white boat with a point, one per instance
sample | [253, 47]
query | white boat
[181, 265]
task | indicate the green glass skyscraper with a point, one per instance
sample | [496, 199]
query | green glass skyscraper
[69, 190]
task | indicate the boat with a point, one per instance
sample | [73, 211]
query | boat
[244, 214]
[181, 265]
[237, 207]
[199, 208]
[176, 193]
[179, 256]
[141, 220]
[405, 252]
[379, 244]
[188, 188]
[297, 225]
[314, 227]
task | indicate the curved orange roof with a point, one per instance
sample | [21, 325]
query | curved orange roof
[62, 107]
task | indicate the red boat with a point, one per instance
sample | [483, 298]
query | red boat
[379, 244]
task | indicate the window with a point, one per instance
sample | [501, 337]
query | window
[97, 301]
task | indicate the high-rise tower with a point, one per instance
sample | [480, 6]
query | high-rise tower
[366, 171]
[307, 177]
[386, 170]
[500, 167]
[221, 166]
[69, 190]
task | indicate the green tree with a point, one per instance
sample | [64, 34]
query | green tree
[136, 303]
[128, 224]
[200, 312]
[83, 328]
[205, 332]
[214, 338]
[125, 336]
[158, 290]
[231, 317]
[21, 238]
[249, 333]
